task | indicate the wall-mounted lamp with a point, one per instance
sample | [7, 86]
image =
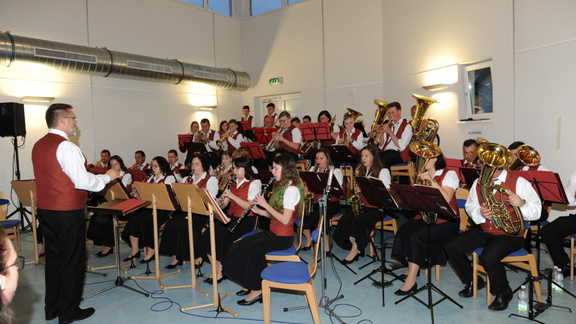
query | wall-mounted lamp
[37, 100]
[210, 108]
[436, 87]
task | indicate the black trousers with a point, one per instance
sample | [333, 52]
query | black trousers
[553, 236]
[496, 248]
[390, 158]
[101, 229]
[65, 235]
[359, 227]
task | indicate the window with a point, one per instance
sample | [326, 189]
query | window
[477, 91]
[220, 6]
[199, 3]
[294, 1]
[261, 6]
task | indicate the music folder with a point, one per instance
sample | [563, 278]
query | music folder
[211, 202]
[341, 153]
[425, 199]
[317, 181]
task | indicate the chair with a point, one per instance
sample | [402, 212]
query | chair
[302, 165]
[521, 259]
[572, 253]
[289, 254]
[10, 225]
[293, 276]
[461, 197]
[403, 170]
[389, 224]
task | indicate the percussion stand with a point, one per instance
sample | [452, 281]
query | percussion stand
[20, 209]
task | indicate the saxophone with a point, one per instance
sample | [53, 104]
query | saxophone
[356, 199]
[497, 156]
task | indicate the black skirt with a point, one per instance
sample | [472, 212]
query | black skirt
[358, 227]
[141, 226]
[101, 229]
[175, 238]
[411, 242]
[224, 238]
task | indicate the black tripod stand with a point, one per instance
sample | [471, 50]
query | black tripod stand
[24, 220]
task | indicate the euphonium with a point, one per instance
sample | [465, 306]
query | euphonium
[381, 114]
[356, 199]
[473, 160]
[425, 129]
[497, 156]
[527, 156]
[424, 151]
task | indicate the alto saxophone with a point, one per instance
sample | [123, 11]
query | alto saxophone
[356, 199]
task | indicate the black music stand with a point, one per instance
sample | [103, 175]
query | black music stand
[376, 193]
[249, 134]
[360, 126]
[549, 188]
[118, 208]
[427, 199]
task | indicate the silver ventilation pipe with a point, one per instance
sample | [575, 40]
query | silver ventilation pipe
[106, 63]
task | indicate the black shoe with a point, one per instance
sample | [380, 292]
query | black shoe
[350, 261]
[501, 300]
[78, 315]
[40, 256]
[101, 255]
[468, 290]
[243, 292]
[306, 248]
[135, 256]
[244, 302]
[565, 271]
[173, 266]
[144, 261]
[51, 317]
[211, 281]
[401, 292]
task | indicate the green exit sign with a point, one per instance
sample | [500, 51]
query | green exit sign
[275, 81]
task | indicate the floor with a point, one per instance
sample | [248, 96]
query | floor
[361, 303]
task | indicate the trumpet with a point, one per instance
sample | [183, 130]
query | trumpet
[273, 140]
[99, 163]
[225, 136]
[134, 166]
[234, 226]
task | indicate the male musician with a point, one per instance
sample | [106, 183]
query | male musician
[269, 122]
[296, 122]
[289, 138]
[553, 234]
[246, 116]
[271, 108]
[61, 184]
[233, 141]
[514, 148]
[211, 137]
[140, 158]
[173, 160]
[104, 159]
[497, 243]
[395, 140]
[469, 147]
[306, 119]
[351, 136]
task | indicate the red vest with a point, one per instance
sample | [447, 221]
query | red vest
[248, 120]
[284, 230]
[405, 154]
[242, 193]
[54, 189]
[202, 183]
[453, 202]
[488, 226]
[288, 135]
[231, 147]
[354, 136]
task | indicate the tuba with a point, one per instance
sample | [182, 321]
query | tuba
[381, 114]
[497, 156]
[425, 129]
[473, 160]
[424, 151]
[527, 156]
[356, 199]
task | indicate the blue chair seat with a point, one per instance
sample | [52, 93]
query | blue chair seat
[287, 272]
[399, 164]
[520, 252]
[249, 233]
[4, 202]
[386, 219]
[573, 235]
[10, 223]
[461, 203]
[289, 251]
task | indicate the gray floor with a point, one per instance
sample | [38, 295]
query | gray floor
[361, 302]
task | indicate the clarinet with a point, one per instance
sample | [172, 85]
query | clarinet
[234, 227]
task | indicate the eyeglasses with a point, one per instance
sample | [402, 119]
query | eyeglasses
[75, 118]
[19, 264]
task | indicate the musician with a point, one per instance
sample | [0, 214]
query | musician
[323, 164]
[411, 241]
[553, 234]
[289, 137]
[497, 243]
[100, 228]
[270, 108]
[239, 196]
[210, 137]
[469, 148]
[175, 239]
[306, 119]
[223, 127]
[233, 138]
[325, 117]
[514, 148]
[395, 140]
[295, 122]
[224, 171]
[350, 136]
[352, 232]
[242, 152]
[246, 258]
[104, 159]
[269, 122]
[140, 158]
[173, 160]
[139, 231]
[246, 117]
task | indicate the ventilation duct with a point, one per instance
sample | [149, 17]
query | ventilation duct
[106, 63]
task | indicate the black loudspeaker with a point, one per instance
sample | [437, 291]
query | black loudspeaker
[12, 121]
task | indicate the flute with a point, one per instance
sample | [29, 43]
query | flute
[234, 227]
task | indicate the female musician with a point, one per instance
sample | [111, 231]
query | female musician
[139, 231]
[323, 164]
[239, 197]
[411, 242]
[246, 258]
[10, 263]
[325, 117]
[175, 239]
[351, 136]
[223, 172]
[100, 229]
[352, 231]
[242, 152]
[223, 127]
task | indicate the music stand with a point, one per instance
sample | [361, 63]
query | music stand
[360, 125]
[427, 199]
[264, 135]
[214, 211]
[249, 133]
[254, 150]
[118, 208]
[137, 175]
[26, 192]
[161, 197]
[550, 189]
